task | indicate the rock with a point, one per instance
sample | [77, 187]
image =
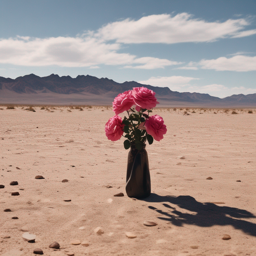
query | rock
[226, 237]
[209, 178]
[15, 218]
[2, 186]
[24, 229]
[182, 157]
[18, 168]
[238, 181]
[65, 180]
[7, 210]
[15, 193]
[119, 194]
[39, 177]
[81, 228]
[194, 247]
[99, 231]
[6, 237]
[14, 183]
[67, 200]
[70, 254]
[38, 251]
[75, 242]
[54, 245]
[149, 223]
[29, 237]
[85, 243]
[108, 186]
[130, 235]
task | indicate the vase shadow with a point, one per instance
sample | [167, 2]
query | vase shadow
[201, 214]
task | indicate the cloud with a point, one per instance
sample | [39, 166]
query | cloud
[167, 29]
[239, 63]
[71, 52]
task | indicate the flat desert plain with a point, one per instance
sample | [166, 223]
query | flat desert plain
[203, 176]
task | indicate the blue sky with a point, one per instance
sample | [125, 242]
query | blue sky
[189, 46]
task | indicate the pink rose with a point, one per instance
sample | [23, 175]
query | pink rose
[123, 102]
[144, 98]
[114, 128]
[155, 127]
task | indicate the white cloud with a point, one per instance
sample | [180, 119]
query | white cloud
[71, 52]
[164, 28]
[239, 63]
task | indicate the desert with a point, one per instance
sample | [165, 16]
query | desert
[68, 176]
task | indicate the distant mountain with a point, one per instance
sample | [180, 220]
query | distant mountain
[31, 88]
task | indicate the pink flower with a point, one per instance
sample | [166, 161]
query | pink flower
[155, 127]
[123, 102]
[144, 98]
[114, 128]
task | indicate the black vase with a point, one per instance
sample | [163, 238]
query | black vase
[138, 176]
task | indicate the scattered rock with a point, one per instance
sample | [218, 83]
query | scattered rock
[108, 186]
[24, 229]
[149, 223]
[7, 210]
[2, 186]
[209, 178]
[38, 251]
[226, 237]
[6, 237]
[182, 157]
[75, 242]
[238, 181]
[119, 194]
[14, 183]
[15, 218]
[194, 247]
[73, 166]
[67, 200]
[15, 193]
[39, 177]
[18, 168]
[29, 237]
[130, 235]
[65, 180]
[99, 231]
[70, 254]
[85, 243]
[54, 245]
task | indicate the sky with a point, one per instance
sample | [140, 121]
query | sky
[205, 46]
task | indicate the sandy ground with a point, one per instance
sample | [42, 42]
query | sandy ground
[192, 213]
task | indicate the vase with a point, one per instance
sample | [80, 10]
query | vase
[138, 176]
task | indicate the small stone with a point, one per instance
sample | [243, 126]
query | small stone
[70, 254]
[81, 228]
[54, 245]
[119, 194]
[75, 242]
[2, 186]
[65, 180]
[7, 210]
[226, 237]
[130, 235]
[209, 178]
[14, 183]
[6, 237]
[149, 223]
[99, 231]
[15, 193]
[38, 251]
[15, 218]
[73, 166]
[194, 247]
[67, 200]
[24, 229]
[182, 157]
[238, 181]
[29, 237]
[18, 168]
[39, 177]
[85, 243]
[108, 186]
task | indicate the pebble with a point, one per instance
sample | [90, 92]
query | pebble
[1, 186]
[18, 168]
[130, 235]
[70, 254]
[29, 237]
[7, 210]
[15, 193]
[6, 237]
[24, 229]
[15, 218]
[238, 181]
[119, 194]
[82, 228]
[67, 200]
[14, 183]
[99, 231]
[75, 242]
[85, 243]
[39, 177]
[182, 157]
[194, 247]
[38, 251]
[209, 178]
[108, 186]
[54, 245]
[226, 237]
[149, 223]
[65, 180]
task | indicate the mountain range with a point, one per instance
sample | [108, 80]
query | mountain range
[53, 89]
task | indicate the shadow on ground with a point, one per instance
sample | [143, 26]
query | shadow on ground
[201, 214]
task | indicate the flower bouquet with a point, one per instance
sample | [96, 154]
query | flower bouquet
[137, 128]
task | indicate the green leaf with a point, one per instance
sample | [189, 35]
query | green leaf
[126, 122]
[126, 129]
[150, 139]
[143, 109]
[127, 144]
[138, 145]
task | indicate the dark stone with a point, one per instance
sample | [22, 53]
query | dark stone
[15, 193]
[38, 251]
[55, 245]
[7, 210]
[65, 180]
[67, 200]
[119, 194]
[2, 186]
[39, 177]
[15, 218]
[14, 183]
